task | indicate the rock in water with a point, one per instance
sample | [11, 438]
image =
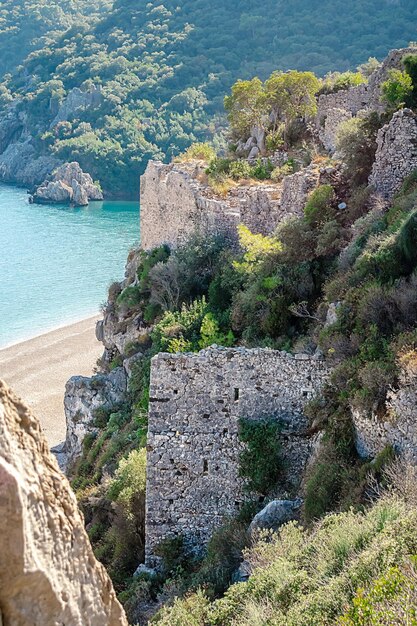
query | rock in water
[48, 573]
[67, 184]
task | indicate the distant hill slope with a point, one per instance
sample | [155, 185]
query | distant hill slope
[165, 65]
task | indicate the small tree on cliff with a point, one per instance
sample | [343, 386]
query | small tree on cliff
[397, 89]
[292, 95]
[246, 106]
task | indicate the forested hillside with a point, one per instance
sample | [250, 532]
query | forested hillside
[165, 66]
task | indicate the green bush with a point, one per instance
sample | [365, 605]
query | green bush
[240, 169]
[302, 578]
[198, 152]
[319, 207]
[260, 463]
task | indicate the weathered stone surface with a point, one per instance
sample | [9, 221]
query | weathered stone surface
[396, 155]
[57, 192]
[275, 514]
[196, 401]
[335, 108]
[79, 194]
[48, 572]
[78, 100]
[83, 396]
[11, 125]
[175, 203]
[398, 428]
[68, 183]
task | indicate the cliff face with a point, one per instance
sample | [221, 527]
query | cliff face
[48, 572]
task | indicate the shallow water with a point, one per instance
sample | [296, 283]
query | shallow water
[56, 262]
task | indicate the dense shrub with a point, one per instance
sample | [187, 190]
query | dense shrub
[301, 578]
[260, 462]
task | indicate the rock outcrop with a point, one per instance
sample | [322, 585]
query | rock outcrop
[68, 184]
[398, 427]
[78, 100]
[48, 573]
[83, 397]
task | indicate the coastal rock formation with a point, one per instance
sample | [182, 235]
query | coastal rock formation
[396, 155]
[83, 396]
[196, 401]
[48, 572]
[68, 184]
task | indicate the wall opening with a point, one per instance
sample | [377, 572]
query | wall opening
[237, 392]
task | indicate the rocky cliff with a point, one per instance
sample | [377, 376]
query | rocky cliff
[48, 572]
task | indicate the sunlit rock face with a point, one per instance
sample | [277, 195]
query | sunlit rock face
[48, 572]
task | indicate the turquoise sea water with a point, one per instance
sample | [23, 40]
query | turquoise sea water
[56, 262]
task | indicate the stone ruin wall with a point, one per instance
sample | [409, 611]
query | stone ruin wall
[335, 108]
[396, 155]
[175, 204]
[196, 401]
[398, 428]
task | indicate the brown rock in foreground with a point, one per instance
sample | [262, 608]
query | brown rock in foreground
[48, 573]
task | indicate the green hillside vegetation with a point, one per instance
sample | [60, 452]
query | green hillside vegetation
[164, 67]
[357, 565]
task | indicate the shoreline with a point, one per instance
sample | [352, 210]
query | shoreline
[96, 315]
[38, 368]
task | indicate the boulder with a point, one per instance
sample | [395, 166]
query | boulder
[48, 572]
[79, 194]
[275, 514]
[83, 396]
[254, 153]
[56, 192]
[68, 183]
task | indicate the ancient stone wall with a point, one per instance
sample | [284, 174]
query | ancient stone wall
[196, 401]
[397, 428]
[335, 108]
[396, 155]
[175, 203]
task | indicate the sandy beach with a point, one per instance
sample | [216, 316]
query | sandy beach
[37, 370]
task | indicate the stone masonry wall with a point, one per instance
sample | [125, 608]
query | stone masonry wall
[398, 428]
[176, 203]
[396, 155]
[335, 108]
[196, 401]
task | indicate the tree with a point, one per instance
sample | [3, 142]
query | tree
[397, 88]
[246, 106]
[292, 95]
[410, 64]
[369, 67]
